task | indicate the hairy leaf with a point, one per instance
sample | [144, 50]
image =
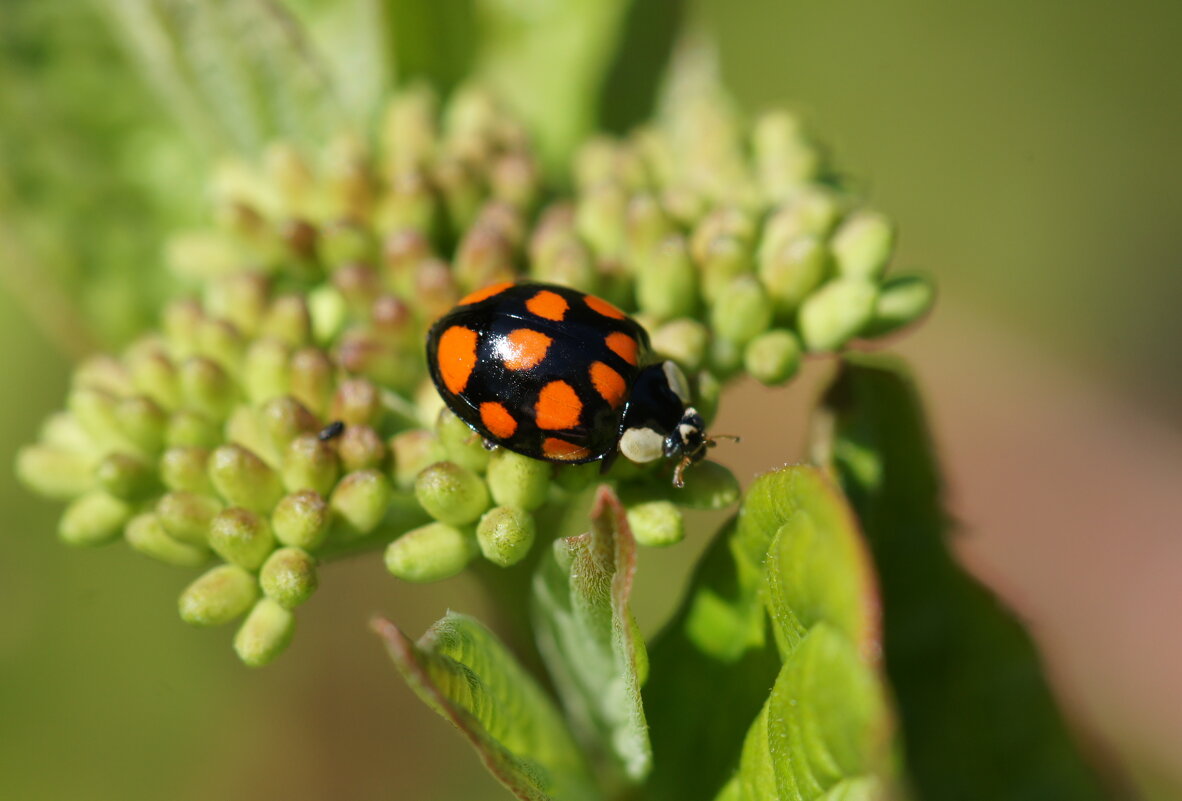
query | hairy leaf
[794, 552]
[826, 726]
[588, 637]
[977, 718]
[462, 671]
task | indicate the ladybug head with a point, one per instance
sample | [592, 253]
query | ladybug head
[660, 422]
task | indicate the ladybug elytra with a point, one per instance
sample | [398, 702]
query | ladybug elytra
[559, 375]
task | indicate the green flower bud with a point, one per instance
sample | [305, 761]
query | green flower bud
[519, 481]
[408, 127]
[266, 371]
[186, 469]
[707, 392]
[725, 259]
[310, 464]
[484, 256]
[902, 300]
[577, 477]
[312, 380]
[266, 633]
[181, 320]
[460, 443]
[708, 485]
[207, 388]
[126, 476]
[403, 252]
[328, 311]
[241, 537]
[218, 596]
[282, 420]
[411, 451]
[360, 447]
[219, 341]
[812, 212]
[239, 299]
[730, 225]
[186, 516]
[409, 203]
[726, 357]
[862, 245]
[836, 312]
[570, 264]
[95, 518]
[505, 535]
[451, 493]
[357, 402]
[668, 285]
[772, 358]
[288, 320]
[656, 524]
[94, 409]
[153, 374]
[435, 288]
[346, 242]
[784, 158]
[55, 472]
[103, 373]
[142, 422]
[648, 227]
[288, 577]
[300, 241]
[290, 174]
[742, 312]
[516, 179]
[145, 534]
[601, 219]
[301, 520]
[430, 553]
[794, 270]
[684, 341]
[359, 286]
[190, 429]
[461, 191]
[244, 479]
[360, 501]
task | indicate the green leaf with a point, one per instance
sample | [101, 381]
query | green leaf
[570, 67]
[703, 692]
[432, 40]
[462, 671]
[977, 718]
[826, 725]
[588, 637]
[795, 552]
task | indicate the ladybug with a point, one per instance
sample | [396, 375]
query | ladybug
[559, 375]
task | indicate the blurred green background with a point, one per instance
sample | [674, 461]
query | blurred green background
[1028, 151]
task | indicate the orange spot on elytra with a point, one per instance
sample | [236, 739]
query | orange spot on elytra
[608, 383]
[548, 304]
[558, 406]
[457, 357]
[603, 307]
[522, 349]
[560, 449]
[497, 420]
[623, 345]
[486, 293]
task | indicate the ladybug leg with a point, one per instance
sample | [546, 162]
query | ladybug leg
[609, 459]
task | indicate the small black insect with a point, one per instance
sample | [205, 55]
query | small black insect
[331, 431]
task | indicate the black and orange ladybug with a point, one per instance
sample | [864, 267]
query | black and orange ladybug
[559, 375]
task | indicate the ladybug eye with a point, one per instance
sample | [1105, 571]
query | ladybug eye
[676, 380]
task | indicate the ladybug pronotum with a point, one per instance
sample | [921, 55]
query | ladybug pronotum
[559, 375]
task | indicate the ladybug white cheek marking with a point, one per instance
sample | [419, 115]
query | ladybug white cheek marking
[642, 445]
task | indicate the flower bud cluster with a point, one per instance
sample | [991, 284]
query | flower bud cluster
[284, 414]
